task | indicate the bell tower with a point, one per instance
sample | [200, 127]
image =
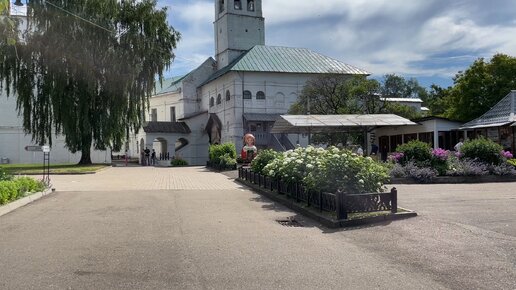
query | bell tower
[239, 25]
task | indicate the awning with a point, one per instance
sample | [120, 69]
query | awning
[166, 127]
[478, 126]
[335, 123]
[261, 117]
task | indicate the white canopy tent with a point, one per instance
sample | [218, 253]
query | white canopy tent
[308, 124]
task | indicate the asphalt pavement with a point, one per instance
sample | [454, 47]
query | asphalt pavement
[189, 228]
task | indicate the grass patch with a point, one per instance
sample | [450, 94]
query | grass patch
[16, 169]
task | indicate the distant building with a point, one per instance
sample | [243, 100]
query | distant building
[244, 89]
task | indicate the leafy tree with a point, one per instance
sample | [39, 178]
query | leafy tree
[480, 87]
[394, 86]
[435, 100]
[86, 68]
[338, 94]
[402, 110]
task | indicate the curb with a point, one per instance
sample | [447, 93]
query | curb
[7, 208]
[328, 222]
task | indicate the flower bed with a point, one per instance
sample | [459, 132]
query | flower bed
[478, 158]
[330, 180]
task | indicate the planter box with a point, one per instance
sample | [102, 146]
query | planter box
[163, 163]
[458, 179]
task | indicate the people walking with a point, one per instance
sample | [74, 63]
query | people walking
[153, 157]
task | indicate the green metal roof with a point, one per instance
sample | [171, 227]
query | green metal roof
[169, 85]
[262, 58]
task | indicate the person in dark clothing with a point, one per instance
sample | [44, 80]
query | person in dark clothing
[147, 156]
[153, 157]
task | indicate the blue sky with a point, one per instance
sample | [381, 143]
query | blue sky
[430, 40]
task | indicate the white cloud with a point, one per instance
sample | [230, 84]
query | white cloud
[417, 38]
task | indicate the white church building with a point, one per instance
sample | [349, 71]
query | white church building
[244, 89]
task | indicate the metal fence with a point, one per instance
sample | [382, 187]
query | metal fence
[341, 203]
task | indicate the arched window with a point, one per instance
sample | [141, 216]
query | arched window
[248, 95]
[260, 95]
[228, 96]
[238, 5]
[212, 102]
[250, 5]
[221, 6]
[219, 99]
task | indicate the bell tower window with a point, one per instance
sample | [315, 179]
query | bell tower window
[238, 5]
[221, 6]
[250, 5]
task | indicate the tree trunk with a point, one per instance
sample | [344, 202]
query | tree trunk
[85, 155]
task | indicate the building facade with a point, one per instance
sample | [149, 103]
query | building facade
[243, 89]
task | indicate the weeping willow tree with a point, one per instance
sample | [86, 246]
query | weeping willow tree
[85, 69]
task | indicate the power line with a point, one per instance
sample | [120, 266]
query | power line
[83, 19]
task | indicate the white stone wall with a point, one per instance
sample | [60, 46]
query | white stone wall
[281, 91]
[13, 140]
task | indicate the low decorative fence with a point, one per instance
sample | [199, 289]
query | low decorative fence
[340, 202]
[219, 167]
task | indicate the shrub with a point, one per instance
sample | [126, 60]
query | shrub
[415, 150]
[216, 151]
[263, 158]
[398, 171]
[467, 167]
[512, 162]
[483, 150]
[503, 169]
[411, 169]
[13, 189]
[178, 162]
[328, 170]
[420, 174]
[440, 160]
[27, 184]
[4, 175]
[227, 160]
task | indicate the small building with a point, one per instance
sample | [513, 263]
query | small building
[436, 131]
[497, 124]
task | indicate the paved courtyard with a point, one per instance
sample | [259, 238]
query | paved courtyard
[189, 228]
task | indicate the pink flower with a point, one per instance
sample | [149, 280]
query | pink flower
[396, 156]
[506, 154]
[440, 154]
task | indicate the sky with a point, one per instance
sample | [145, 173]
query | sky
[430, 40]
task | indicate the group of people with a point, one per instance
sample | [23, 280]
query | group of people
[148, 158]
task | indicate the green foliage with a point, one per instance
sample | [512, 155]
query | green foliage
[404, 111]
[329, 170]
[483, 150]
[11, 190]
[480, 87]
[338, 94]
[263, 158]
[222, 152]
[178, 162]
[415, 150]
[88, 80]
[435, 100]
[394, 86]
[512, 162]
[4, 175]
[227, 160]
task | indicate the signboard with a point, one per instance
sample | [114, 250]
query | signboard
[34, 148]
[17, 8]
[46, 149]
